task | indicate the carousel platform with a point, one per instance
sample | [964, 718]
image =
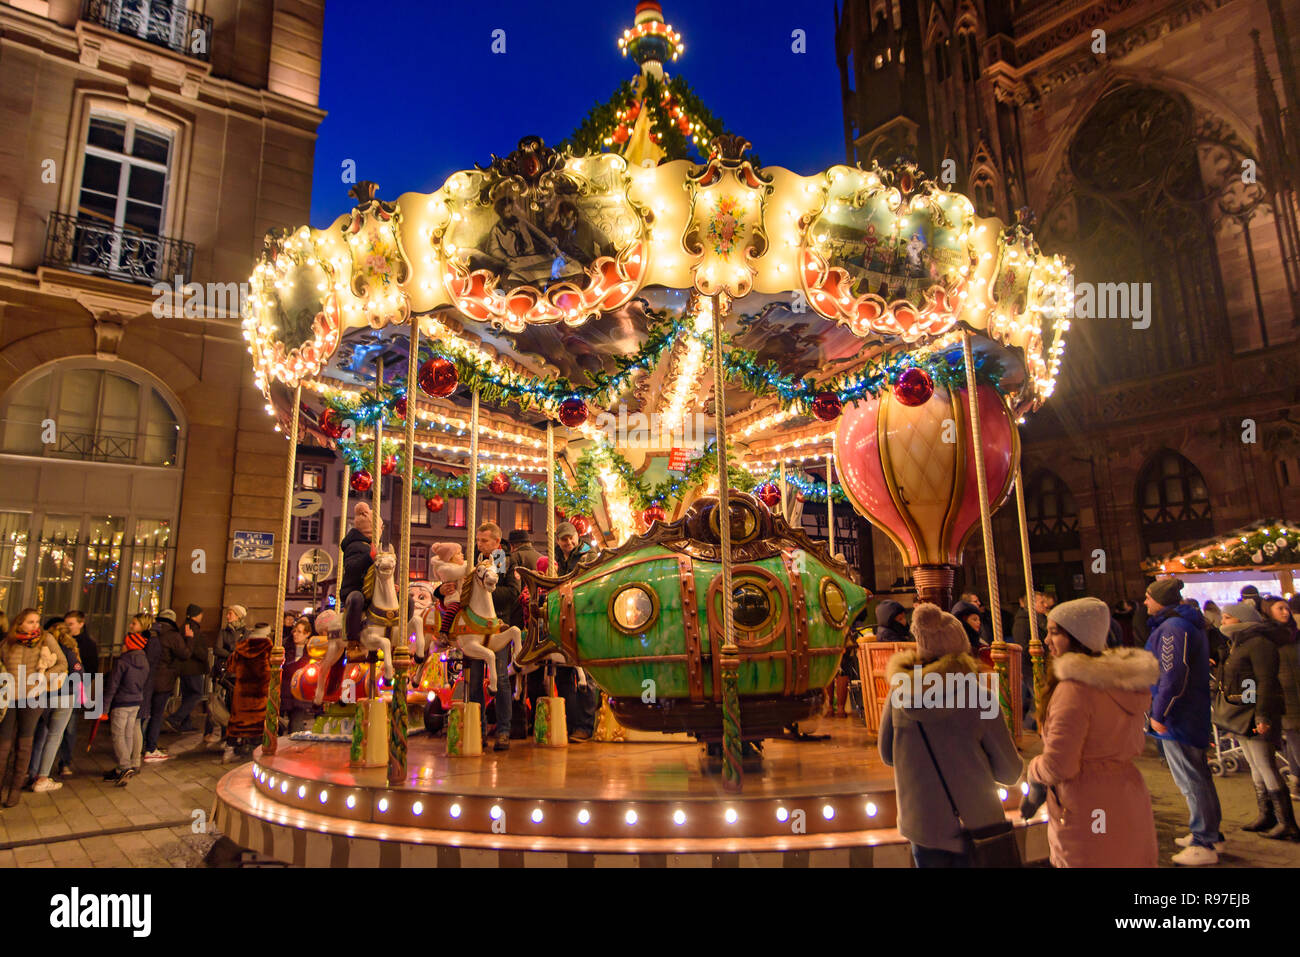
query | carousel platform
[814, 803]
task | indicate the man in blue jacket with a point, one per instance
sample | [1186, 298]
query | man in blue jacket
[1180, 713]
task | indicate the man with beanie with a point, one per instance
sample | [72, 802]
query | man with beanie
[358, 556]
[1180, 712]
[172, 650]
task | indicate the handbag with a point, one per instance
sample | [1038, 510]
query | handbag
[1232, 716]
[993, 845]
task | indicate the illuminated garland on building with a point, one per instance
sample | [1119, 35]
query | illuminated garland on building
[1270, 543]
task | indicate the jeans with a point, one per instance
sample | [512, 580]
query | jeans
[354, 614]
[1191, 772]
[63, 758]
[157, 705]
[1292, 742]
[933, 857]
[43, 751]
[502, 699]
[128, 741]
[1263, 766]
[191, 694]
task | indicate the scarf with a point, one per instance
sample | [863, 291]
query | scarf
[27, 639]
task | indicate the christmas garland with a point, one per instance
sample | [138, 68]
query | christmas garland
[1269, 544]
[810, 490]
[946, 369]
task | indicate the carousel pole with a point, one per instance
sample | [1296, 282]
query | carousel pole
[271, 727]
[343, 531]
[986, 527]
[784, 513]
[376, 499]
[732, 768]
[397, 713]
[830, 506]
[550, 499]
[1036, 650]
[471, 496]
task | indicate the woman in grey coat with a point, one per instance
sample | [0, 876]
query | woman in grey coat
[936, 700]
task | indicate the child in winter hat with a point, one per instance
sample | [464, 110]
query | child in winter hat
[1086, 620]
[937, 633]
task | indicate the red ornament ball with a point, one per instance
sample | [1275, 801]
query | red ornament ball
[581, 523]
[827, 406]
[434, 504]
[559, 514]
[913, 387]
[389, 465]
[500, 484]
[438, 377]
[573, 412]
[330, 425]
[361, 481]
[399, 406]
[653, 513]
[769, 494]
[798, 496]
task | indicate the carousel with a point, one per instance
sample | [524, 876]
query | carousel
[677, 356]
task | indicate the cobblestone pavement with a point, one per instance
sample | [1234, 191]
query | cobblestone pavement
[151, 821]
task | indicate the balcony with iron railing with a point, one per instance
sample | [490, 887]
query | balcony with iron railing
[174, 27]
[116, 252]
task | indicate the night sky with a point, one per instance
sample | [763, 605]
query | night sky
[414, 92]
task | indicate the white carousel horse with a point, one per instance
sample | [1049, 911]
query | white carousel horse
[476, 629]
[383, 613]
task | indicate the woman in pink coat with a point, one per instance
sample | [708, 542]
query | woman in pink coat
[1093, 725]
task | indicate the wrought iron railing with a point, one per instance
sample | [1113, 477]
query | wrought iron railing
[98, 446]
[167, 25]
[129, 255]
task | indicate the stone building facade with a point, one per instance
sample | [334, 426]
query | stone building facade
[144, 140]
[1151, 142]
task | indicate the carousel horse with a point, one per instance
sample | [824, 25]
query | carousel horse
[476, 629]
[383, 608]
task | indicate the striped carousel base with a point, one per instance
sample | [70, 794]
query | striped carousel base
[812, 804]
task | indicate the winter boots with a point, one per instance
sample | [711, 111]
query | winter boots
[13, 786]
[1267, 814]
[1285, 829]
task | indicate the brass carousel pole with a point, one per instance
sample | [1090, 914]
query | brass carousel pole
[830, 506]
[1036, 651]
[785, 514]
[550, 500]
[471, 497]
[732, 746]
[986, 527]
[397, 712]
[376, 497]
[271, 727]
[343, 531]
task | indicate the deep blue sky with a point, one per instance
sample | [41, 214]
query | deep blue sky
[414, 92]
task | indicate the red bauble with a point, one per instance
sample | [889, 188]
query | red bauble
[580, 523]
[913, 387]
[827, 406]
[499, 485]
[798, 496]
[361, 481]
[438, 377]
[653, 513]
[573, 412]
[399, 405]
[769, 494]
[330, 425]
[620, 134]
[559, 514]
[434, 504]
[389, 465]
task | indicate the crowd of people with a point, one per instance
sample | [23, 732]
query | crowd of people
[1110, 689]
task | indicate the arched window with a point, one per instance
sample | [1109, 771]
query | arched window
[970, 58]
[1051, 513]
[982, 188]
[93, 412]
[1173, 501]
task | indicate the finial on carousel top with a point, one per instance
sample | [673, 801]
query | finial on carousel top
[651, 41]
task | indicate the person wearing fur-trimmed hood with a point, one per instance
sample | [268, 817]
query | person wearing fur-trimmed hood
[1093, 720]
[971, 742]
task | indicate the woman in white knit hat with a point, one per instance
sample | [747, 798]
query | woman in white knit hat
[1093, 720]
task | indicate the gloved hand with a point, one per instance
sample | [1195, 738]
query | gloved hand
[1033, 800]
